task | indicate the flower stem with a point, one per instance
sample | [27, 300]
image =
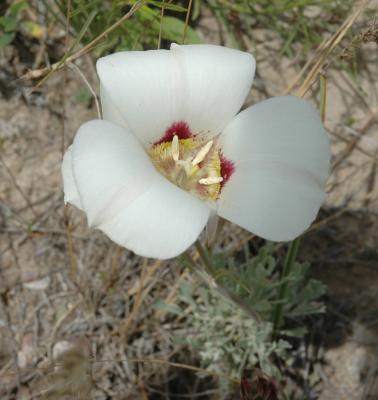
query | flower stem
[288, 266]
[205, 258]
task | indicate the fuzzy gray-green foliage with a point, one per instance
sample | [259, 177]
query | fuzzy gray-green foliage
[226, 339]
[257, 281]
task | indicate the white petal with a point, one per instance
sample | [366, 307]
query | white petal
[71, 195]
[111, 169]
[273, 201]
[202, 85]
[281, 155]
[109, 110]
[124, 195]
[217, 82]
[145, 86]
[162, 223]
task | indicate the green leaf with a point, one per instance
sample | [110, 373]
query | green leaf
[8, 23]
[83, 30]
[296, 332]
[18, 6]
[6, 39]
[307, 309]
[313, 290]
[167, 6]
[173, 29]
[186, 293]
[196, 9]
[161, 305]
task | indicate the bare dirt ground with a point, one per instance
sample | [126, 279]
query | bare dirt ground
[69, 294]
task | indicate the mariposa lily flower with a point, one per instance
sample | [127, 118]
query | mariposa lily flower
[172, 151]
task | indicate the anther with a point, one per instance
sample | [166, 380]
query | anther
[211, 180]
[202, 153]
[175, 148]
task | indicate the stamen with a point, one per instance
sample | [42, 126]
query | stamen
[191, 163]
[211, 180]
[175, 148]
[202, 153]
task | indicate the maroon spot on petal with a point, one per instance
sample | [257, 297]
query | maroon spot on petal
[227, 168]
[179, 128]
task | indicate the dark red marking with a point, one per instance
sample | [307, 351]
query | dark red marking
[256, 385]
[179, 128]
[227, 168]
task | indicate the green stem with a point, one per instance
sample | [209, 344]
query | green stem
[288, 266]
[205, 258]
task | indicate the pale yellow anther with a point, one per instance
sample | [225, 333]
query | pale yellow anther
[189, 164]
[175, 148]
[211, 180]
[202, 153]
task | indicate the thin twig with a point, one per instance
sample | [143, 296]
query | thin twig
[172, 294]
[66, 216]
[59, 323]
[83, 77]
[353, 143]
[5, 312]
[320, 57]
[187, 21]
[139, 360]
[147, 272]
[18, 187]
[161, 24]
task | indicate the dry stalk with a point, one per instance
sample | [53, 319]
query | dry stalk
[171, 298]
[70, 246]
[5, 311]
[353, 143]
[372, 156]
[89, 86]
[60, 321]
[147, 273]
[173, 364]
[320, 56]
[326, 220]
[114, 268]
[189, 10]
[139, 361]
[370, 184]
[18, 187]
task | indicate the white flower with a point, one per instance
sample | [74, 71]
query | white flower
[171, 151]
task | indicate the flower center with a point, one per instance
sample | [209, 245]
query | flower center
[191, 162]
